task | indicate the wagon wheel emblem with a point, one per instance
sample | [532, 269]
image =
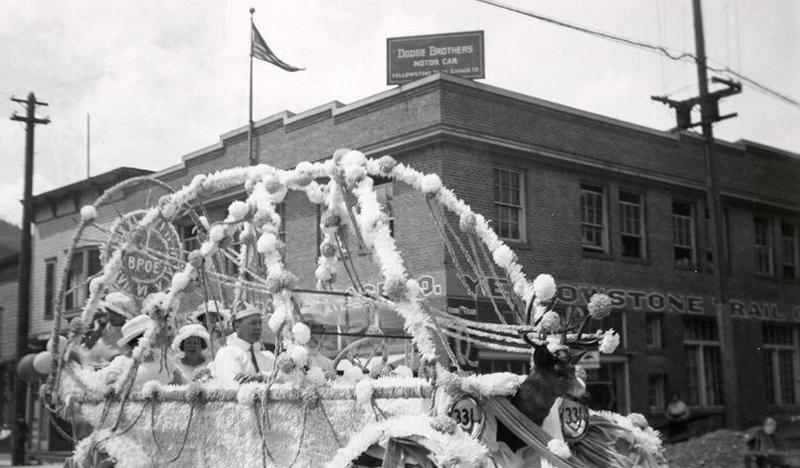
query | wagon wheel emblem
[143, 273]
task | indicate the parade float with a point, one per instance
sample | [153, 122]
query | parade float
[356, 406]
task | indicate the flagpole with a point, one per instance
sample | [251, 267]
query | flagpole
[250, 121]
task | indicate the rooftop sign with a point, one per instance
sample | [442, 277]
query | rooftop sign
[414, 57]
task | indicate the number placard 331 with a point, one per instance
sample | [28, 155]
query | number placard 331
[468, 415]
[574, 419]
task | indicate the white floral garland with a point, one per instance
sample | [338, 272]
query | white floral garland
[456, 449]
[267, 186]
[125, 452]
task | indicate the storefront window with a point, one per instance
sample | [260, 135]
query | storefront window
[657, 384]
[703, 363]
[780, 361]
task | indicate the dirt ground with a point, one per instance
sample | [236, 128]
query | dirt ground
[720, 449]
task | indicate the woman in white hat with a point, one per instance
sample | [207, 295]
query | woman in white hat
[100, 345]
[151, 367]
[191, 346]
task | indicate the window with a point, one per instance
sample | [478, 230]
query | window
[789, 250]
[683, 234]
[780, 361]
[508, 207]
[49, 287]
[763, 246]
[703, 363]
[653, 326]
[631, 224]
[189, 238]
[656, 385]
[593, 218]
[85, 263]
[385, 193]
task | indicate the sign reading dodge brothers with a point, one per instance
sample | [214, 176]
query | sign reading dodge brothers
[411, 58]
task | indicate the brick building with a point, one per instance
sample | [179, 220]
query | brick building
[599, 203]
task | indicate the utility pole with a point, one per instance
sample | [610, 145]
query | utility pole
[24, 291]
[709, 111]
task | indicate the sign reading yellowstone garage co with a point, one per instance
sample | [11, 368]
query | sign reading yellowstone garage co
[411, 58]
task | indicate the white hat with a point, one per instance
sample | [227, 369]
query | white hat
[186, 331]
[135, 327]
[119, 303]
[246, 311]
[211, 307]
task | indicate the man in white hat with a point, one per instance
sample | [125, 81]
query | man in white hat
[242, 360]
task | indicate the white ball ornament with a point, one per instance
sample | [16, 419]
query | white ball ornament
[353, 374]
[217, 233]
[544, 286]
[298, 354]
[301, 333]
[404, 372]
[88, 213]
[266, 243]
[238, 210]
[316, 376]
[43, 363]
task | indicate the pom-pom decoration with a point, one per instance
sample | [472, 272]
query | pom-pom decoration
[301, 333]
[316, 376]
[298, 354]
[238, 210]
[544, 286]
[599, 306]
[403, 372]
[353, 374]
[551, 322]
[609, 342]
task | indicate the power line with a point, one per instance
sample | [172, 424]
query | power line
[672, 54]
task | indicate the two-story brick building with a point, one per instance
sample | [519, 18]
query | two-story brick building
[599, 203]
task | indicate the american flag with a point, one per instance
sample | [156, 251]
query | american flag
[260, 50]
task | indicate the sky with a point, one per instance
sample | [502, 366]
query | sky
[164, 78]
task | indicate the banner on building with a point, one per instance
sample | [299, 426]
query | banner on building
[414, 57]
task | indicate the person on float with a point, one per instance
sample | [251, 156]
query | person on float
[215, 318]
[151, 366]
[242, 360]
[99, 346]
[192, 352]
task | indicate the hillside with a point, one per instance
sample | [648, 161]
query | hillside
[9, 239]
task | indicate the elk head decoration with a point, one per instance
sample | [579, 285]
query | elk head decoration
[557, 348]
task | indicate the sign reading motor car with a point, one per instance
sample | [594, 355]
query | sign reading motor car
[414, 57]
